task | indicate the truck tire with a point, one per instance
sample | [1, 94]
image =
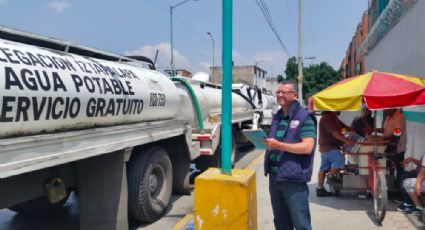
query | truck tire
[150, 182]
[39, 207]
[181, 185]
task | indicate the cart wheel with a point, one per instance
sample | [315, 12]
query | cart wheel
[335, 184]
[335, 190]
[422, 216]
[380, 199]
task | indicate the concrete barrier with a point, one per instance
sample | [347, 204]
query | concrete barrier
[226, 201]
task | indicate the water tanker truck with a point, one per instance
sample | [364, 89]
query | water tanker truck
[264, 102]
[120, 136]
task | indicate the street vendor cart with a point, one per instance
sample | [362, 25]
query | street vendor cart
[368, 169]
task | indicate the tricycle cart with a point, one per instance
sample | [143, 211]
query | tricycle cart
[367, 170]
[376, 90]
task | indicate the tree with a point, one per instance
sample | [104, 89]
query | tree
[291, 70]
[316, 77]
[280, 78]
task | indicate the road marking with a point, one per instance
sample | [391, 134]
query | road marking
[183, 222]
[255, 161]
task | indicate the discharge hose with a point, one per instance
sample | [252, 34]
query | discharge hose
[194, 100]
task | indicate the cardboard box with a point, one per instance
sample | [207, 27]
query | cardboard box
[354, 181]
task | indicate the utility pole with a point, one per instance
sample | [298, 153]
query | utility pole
[300, 59]
[213, 66]
[171, 35]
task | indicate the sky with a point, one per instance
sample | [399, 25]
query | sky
[141, 27]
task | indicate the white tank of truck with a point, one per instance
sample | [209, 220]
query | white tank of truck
[209, 98]
[264, 102]
[201, 76]
[46, 91]
[261, 99]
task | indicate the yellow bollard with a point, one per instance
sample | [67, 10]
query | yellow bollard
[226, 201]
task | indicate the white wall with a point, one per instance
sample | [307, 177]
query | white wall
[402, 51]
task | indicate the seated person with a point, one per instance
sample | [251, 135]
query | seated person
[414, 187]
[406, 204]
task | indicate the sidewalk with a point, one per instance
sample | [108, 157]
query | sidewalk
[330, 213]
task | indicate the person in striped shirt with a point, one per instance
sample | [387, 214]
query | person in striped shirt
[289, 160]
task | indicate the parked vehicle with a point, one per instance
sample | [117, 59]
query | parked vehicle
[78, 119]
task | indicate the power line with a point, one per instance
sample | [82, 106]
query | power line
[266, 13]
[264, 9]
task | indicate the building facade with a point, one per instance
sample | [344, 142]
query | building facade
[353, 63]
[250, 75]
[272, 85]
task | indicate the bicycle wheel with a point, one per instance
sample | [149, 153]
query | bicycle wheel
[335, 184]
[335, 190]
[380, 199]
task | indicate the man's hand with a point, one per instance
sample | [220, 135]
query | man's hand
[272, 143]
[368, 130]
[408, 160]
[349, 142]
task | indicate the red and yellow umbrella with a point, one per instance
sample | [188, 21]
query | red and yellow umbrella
[378, 90]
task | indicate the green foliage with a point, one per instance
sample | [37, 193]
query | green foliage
[316, 77]
[280, 78]
[291, 70]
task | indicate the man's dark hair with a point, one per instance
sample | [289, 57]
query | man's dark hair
[288, 82]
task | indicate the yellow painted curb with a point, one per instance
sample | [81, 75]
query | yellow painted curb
[183, 222]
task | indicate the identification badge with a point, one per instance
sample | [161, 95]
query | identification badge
[294, 124]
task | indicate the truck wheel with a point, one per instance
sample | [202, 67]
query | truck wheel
[38, 207]
[150, 182]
